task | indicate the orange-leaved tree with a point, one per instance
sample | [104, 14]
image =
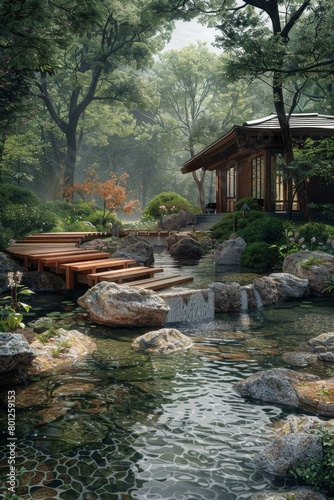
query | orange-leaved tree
[104, 198]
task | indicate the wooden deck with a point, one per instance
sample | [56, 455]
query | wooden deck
[61, 254]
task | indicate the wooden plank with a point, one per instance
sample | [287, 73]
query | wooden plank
[92, 266]
[159, 284]
[55, 261]
[123, 274]
[34, 255]
[149, 280]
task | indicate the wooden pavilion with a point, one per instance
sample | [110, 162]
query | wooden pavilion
[248, 162]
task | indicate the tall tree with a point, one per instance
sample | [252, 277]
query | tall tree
[278, 41]
[201, 104]
[103, 65]
[30, 30]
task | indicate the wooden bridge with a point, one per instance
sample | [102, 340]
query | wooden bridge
[60, 253]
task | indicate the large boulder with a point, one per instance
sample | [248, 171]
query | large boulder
[298, 390]
[175, 237]
[139, 249]
[267, 290]
[295, 441]
[290, 287]
[15, 352]
[227, 296]
[64, 349]
[317, 267]
[43, 282]
[164, 341]
[120, 305]
[174, 222]
[228, 253]
[285, 453]
[186, 248]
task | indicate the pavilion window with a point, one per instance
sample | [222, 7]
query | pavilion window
[230, 188]
[258, 178]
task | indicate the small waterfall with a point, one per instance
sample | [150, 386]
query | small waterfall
[243, 299]
[258, 299]
[189, 306]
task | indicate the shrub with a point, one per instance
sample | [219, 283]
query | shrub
[259, 256]
[316, 233]
[172, 201]
[253, 204]
[268, 229]
[15, 195]
[22, 212]
[319, 473]
[223, 228]
[71, 214]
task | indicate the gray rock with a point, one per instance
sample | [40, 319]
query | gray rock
[300, 264]
[227, 296]
[290, 286]
[121, 305]
[300, 358]
[267, 289]
[139, 249]
[186, 248]
[15, 351]
[228, 253]
[320, 348]
[174, 222]
[164, 341]
[43, 282]
[175, 237]
[277, 385]
[284, 453]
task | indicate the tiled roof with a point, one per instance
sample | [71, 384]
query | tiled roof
[302, 120]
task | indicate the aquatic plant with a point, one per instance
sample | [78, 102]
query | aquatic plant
[10, 315]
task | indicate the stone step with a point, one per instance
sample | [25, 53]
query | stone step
[204, 222]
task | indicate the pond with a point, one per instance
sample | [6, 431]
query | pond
[126, 425]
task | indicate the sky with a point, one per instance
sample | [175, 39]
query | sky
[186, 33]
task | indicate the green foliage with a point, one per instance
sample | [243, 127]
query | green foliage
[10, 315]
[311, 261]
[259, 256]
[224, 227]
[70, 216]
[168, 200]
[329, 288]
[268, 229]
[22, 212]
[316, 234]
[10, 195]
[319, 473]
[251, 202]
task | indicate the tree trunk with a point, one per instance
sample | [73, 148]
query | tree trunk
[71, 157]
[288, 154]
[200, 184]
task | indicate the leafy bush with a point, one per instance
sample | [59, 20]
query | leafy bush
[319, 473]
[316, 233]
[22, 212]
[268, 229]
[223, 228]
[10, 195]
[259, 256]
[253, 204]
[170, 201]
[71, 214]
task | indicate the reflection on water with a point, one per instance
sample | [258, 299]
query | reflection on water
[125, 425]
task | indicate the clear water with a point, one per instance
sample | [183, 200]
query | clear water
[137, 426]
